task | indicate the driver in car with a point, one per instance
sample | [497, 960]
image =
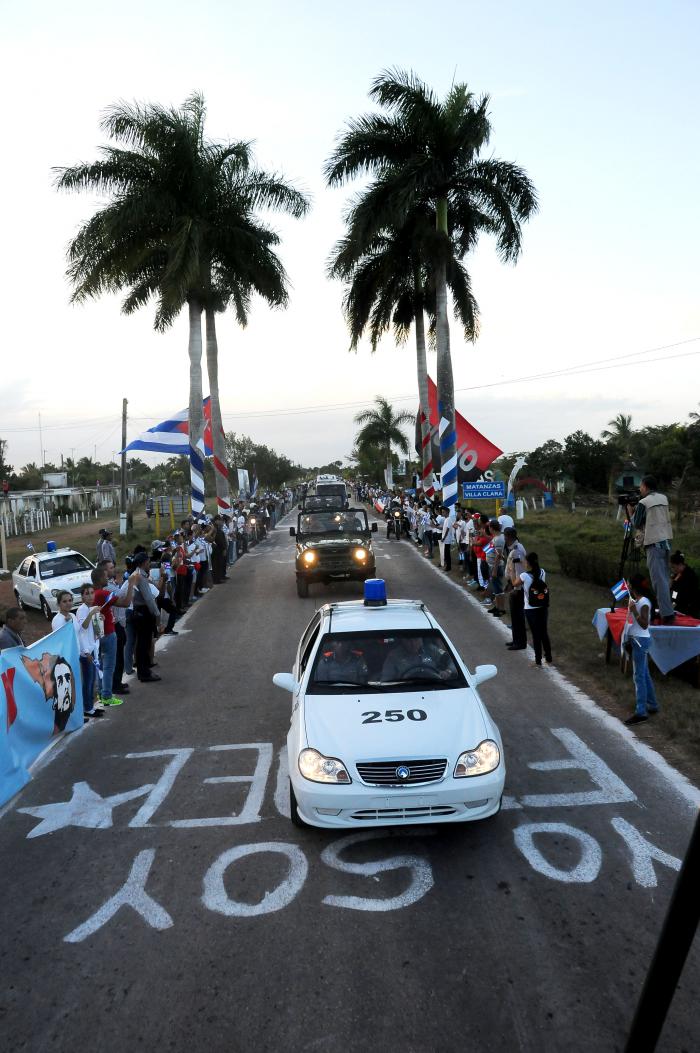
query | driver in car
[411, 654]
[342, 664]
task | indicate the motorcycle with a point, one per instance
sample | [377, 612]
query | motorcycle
[393, 523]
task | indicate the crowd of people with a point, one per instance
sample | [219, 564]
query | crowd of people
[126, 605]
[491, 561]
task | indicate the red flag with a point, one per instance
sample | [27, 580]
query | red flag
[468, 438]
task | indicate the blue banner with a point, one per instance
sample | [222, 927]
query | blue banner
[483, 489]
[41, 697]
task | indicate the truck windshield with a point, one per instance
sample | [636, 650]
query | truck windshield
[337, 522]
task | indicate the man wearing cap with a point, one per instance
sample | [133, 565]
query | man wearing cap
[145, 616]
[105, 547]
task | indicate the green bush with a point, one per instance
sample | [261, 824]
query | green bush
[597, 563]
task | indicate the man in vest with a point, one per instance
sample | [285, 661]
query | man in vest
[652, 517]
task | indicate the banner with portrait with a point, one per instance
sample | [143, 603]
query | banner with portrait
[40, 698]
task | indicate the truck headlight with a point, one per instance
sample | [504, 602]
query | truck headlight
[485, 758]
[309, 558]
[360, 554]
[317, 768]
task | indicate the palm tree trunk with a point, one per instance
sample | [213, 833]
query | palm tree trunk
[223, 500]
[445, 384]
[196, 417]
[389, 470]
[424, 408]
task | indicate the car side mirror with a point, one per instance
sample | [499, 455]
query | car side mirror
[374, 528]
[483, 673]
[292, 531]
[284, 680]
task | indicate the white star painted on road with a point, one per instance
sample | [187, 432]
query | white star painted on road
[85, 808]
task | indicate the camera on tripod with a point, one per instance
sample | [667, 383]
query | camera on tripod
[630, 497]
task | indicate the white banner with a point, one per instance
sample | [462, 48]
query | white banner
[243, 481]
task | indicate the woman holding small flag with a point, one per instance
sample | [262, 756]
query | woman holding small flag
[638, 635]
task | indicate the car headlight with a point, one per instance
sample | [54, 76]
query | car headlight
[309, 557]
[55, 592]
[485, 758]
[317, 768]
[360, 553]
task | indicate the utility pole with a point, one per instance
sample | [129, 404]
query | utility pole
[122, 503]
[41, 442]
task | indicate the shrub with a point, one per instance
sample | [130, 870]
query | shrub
[597, 563]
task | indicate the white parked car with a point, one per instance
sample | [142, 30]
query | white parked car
[41, 576]
[387, 724]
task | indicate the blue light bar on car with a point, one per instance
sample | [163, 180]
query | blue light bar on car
[51, 546]
[375, 592]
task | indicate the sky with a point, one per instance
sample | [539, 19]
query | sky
[598, 101]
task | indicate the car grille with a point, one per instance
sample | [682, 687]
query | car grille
[383, 773]
[369, 814]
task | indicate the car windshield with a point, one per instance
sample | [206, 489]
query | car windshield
[337, 522]
[73, 563]
[418, 659]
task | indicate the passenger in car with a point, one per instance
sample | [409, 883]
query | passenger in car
[342, 664]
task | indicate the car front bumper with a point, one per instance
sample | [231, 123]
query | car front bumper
[355, 806]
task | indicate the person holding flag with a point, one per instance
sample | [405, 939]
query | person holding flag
[638, 635]
[105, 600]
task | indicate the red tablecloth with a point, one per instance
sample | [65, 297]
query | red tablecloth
[616, 622]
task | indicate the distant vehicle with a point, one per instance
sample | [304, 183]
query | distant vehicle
[387, 726]
[331, 486]
[333, 545]
[41, 576]
[322, 503]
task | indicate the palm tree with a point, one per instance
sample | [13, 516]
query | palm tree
[619, 436]
[423, 150]
[391, 284]
[178, 227]
[381, 427]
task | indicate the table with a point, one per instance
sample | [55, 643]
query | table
[671, 645]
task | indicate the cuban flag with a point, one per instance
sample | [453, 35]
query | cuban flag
[620, 590]
[254, 484]
[172, 436]
[489, 549]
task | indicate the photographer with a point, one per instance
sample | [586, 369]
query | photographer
[652, 521]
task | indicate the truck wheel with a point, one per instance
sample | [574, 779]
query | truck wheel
[302, 588]
[294, 811]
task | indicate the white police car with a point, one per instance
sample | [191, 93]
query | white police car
[387, 725]
[42, 575]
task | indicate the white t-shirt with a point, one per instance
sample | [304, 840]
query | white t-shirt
[448, 534]
[506, 521]
[86, 637]
[59, 620]
[526, 579]
[633, 626]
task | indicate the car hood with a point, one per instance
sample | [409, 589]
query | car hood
[455, 721]
[66, 581]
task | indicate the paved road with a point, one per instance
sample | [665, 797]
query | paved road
[173, 906]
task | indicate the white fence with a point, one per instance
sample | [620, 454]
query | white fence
[36, 519]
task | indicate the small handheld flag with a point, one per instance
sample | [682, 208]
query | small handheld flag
[489, 549]
[620, 590]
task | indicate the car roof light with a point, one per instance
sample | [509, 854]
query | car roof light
[51, 546]
[375, 592]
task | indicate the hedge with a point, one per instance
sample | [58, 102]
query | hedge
[597, 563]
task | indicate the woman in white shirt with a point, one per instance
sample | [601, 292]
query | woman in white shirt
[536, 606]
[65, 602]
[637, 632]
